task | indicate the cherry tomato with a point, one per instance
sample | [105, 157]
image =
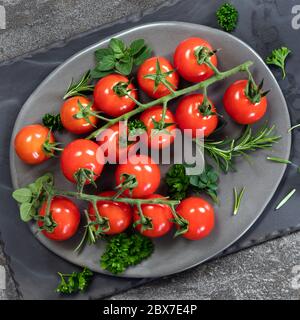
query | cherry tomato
[119, 214]
[146, 172]
[200, 216]
[239, 106]
[186, 63]
[108, 101]
[190, 116]
[160, 215]
[30, 142]
[81, 154]
[167, 135]
[65, 214]
[149, 67]
[68, 112]
[111, 142]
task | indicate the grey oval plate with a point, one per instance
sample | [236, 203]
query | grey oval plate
[260, 177]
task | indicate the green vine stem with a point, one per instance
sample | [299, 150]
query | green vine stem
[164, 100]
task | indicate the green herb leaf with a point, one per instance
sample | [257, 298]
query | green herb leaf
[120, 59]
[74, 282]
[279, 160]
[80, 88]
[278, 57]
[22, 195]
[27, 211]
[177, 181]
[123, 251]
[285, 199]
[227, 16]
[237, 200]
[53, 122]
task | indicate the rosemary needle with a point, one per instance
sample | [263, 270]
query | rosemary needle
[279, 160]
[237, 200]
[285, 199]
[294, 127]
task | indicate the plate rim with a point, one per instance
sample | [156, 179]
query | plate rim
[106, 40]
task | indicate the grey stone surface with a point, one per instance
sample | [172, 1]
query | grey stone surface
[263, 272]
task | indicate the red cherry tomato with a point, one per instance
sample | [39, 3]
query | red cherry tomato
[66, 216]
[200, 216]
[160, 216]
[152, 116]
[148, 85]
[81, 154]
[146, 172]
[239, 106]
[111, 142]
[68, 112]
[29, 143]
[119, 214]
[185, 60]
[189, 116]
[108, 101]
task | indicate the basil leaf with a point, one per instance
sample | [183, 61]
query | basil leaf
[107, 63]
[26, 211]
[103, 52]
[117, 46]
[136, 46]
[22, 195]
[97, 74]
[124, 68]
[143, 55]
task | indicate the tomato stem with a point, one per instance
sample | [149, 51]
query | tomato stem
[163, 100]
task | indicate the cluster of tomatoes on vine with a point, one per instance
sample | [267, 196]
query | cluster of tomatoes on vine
[115, 95]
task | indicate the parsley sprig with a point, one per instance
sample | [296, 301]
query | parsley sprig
[179, 183]
[74, 282]
[278, 58]
[53, 122]
[118, 58]
[227, 16]
[123, 251]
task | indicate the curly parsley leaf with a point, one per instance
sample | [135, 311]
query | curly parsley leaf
[123, 251]
[53, 122]
[180, 184]
[227, 16]
[278, 57]
[74, 282]
[177, 181]
[118, 58]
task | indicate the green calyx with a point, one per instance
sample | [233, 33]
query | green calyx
[82, 176]
[254, 92]
[85, 112]
[160, 77]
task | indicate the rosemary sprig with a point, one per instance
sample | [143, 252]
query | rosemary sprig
[224, 151]
[285, 199]
[294, 127]
[81, 87]
[237, 200]
[279, 160]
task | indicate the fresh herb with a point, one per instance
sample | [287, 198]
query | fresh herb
[179, 183]
[80, 88]
[74, 282]
[227, 16]
[237, 200]
[206, 182]
[278, 57]
[279, 160]
[118, 58]
[53, 122]
[285, 199]
[136, 127]
[123, 251]
[294, 127]
[31, 197]
[223, 152]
